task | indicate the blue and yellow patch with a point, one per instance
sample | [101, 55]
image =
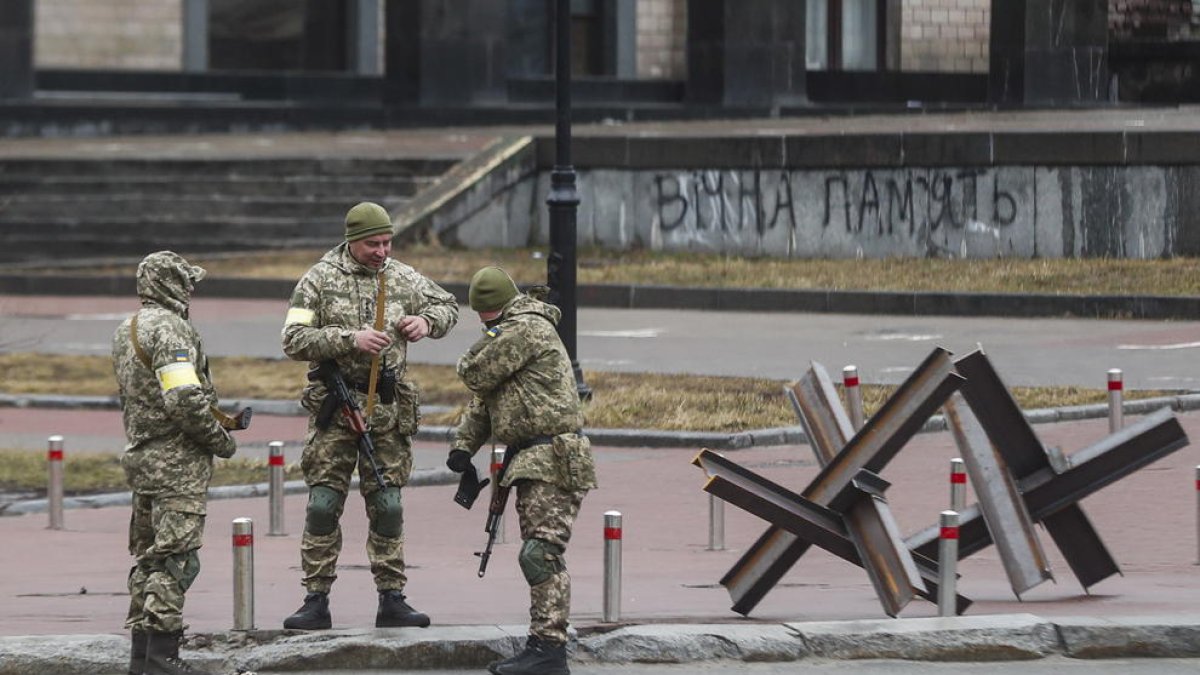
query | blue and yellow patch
[492, 332]
[181, 356]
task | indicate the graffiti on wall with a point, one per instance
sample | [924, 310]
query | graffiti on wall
[865, 203]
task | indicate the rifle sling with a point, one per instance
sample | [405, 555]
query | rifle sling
[380, 303]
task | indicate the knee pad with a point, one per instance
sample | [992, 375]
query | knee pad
[386, 513]
[324, 510]
[540, 560]
[183, 567]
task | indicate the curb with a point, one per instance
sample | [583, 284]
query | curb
[639, 438]
[630, 296]
[1004, 637]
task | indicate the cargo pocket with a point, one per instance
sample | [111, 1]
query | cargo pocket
[408, 408]
[574, 453]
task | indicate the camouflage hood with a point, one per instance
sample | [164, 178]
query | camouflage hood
[524, 304]
[167, 280]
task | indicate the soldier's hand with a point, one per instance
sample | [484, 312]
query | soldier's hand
[459, 460]
[413, 328]
[226, 446]
[371, 341]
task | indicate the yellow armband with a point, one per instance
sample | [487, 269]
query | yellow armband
[177, 374]
[299, 315]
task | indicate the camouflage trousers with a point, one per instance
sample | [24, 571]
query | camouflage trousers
[329, 459]
[165, 534]
[547, 512]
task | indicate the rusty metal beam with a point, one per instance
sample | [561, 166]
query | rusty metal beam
[871, 527]
[794, 516]
[888, 430]
[1000, 501]
[1052, 499]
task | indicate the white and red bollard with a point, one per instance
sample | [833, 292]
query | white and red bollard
[243, 574]
[275, 489]
[958, 485]
[54, 490]
[716, 523]
[948, 564]
[1116, 387]
[612, 566]
[854, 400]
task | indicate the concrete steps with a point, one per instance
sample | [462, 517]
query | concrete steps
[76, 208]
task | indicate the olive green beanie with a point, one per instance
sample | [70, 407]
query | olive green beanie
[491, 289]
[367, 219]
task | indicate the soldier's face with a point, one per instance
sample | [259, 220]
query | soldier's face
[372, 251]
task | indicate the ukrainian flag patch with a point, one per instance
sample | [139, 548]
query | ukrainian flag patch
[492, 332]
[181, 356]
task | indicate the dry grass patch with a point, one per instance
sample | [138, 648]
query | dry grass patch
[622, 400]
[24, 471]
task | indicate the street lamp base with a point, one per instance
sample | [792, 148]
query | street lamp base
[581, 387]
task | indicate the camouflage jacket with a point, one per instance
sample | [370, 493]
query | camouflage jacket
[171, 432]
[524, 388]
[336, 298]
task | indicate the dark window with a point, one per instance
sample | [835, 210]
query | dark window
[278, 35]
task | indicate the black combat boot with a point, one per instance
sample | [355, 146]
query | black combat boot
[394, 612]
[312, 615]
[162, 656]
[539, 658]
[137, 652]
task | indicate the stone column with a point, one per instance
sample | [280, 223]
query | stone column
[446, 52]
[746, 52]
[1049, 51]
[16, 49]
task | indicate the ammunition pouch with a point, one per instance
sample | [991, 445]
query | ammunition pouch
[408, 406]
[576, 466]
[385, 387]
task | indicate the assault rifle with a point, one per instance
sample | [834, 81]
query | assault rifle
[340, 396]
[496, 510]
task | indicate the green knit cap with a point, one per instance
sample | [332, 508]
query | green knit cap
[491, 289]
[367, 219]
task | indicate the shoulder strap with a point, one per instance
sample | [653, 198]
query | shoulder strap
[137, 346]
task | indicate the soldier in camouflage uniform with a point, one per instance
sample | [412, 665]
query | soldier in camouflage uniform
[525, 397]
[332, 314]
[167, 399]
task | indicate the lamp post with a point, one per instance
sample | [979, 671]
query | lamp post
[564, 198]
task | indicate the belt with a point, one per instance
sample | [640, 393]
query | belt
[537, 440]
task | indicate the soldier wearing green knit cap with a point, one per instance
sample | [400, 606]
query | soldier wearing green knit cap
[333, 315]
[524, 396]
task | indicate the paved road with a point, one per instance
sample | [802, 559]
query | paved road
[1153, 354]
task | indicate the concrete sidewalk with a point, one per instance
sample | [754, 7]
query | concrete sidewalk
[71, 583]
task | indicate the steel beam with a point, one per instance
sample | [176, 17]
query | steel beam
[894, 575]
[1000, 501]
[1052, 498]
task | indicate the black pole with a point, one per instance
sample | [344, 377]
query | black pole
[564, 198]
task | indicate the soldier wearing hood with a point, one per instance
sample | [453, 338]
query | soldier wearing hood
[525, 397]
[333, 315]
[167, 399]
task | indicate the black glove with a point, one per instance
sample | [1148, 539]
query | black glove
[459, 460]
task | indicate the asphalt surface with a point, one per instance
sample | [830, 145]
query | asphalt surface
[1153, 354]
